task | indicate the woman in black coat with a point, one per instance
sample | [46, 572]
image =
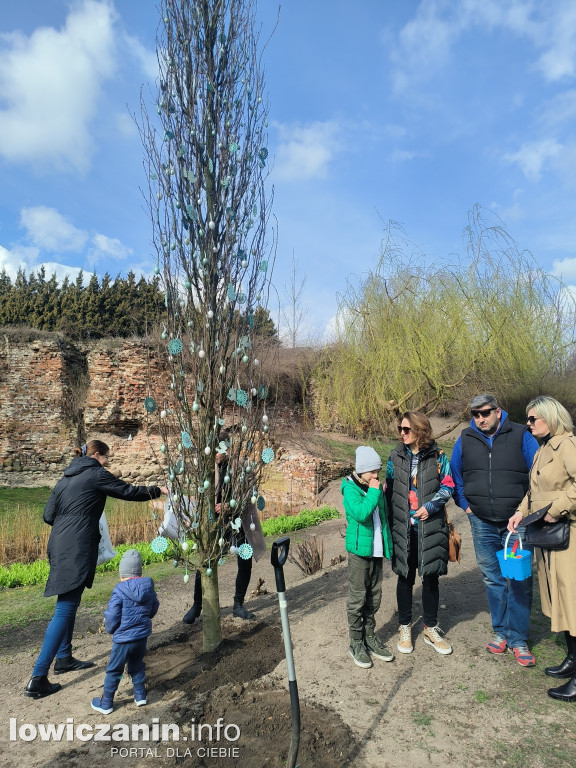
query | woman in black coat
[73, 510]
[418, 485]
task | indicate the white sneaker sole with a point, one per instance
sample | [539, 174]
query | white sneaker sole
[383, 658]
[404, 650]
[363, 664]
[442, 651]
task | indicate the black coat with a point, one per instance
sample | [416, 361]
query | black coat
[73, 510]
[433, 532]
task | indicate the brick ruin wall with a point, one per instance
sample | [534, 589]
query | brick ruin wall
[53, 395]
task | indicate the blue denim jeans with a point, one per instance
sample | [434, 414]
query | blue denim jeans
[510, 601]
[58, 638]
[131, 656]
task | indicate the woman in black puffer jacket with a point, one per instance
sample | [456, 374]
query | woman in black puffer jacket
[73, 510]
[418, 485]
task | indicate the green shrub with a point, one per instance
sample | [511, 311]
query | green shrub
[28, 574]
[306, 519]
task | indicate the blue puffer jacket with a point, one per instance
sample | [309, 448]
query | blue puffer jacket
[131, 609]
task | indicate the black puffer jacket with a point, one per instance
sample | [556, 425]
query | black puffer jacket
[433, 532]
[73, 510]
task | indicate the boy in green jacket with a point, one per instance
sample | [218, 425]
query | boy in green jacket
[368, 541]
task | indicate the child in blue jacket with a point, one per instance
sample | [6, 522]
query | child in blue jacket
[129, 616]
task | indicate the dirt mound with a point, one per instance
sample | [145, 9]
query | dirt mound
[467, 710]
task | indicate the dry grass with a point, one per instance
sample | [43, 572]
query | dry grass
[24, 535]
[309, 557]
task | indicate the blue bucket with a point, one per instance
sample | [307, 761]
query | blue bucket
[518, 567]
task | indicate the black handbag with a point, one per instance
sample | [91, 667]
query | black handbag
[551, 536]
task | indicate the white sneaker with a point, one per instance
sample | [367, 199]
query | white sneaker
[404, 644]
[433, 637]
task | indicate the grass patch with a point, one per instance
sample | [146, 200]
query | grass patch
[276, 526]
[481, 697]
[28, 574]
[19, 607]
[531, 751]
[420, 718]
[32, 497]
[346, 451]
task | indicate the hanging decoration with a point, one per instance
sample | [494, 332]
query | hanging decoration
[159, 545]
[175, 346]
[150, 404]
[245, 551]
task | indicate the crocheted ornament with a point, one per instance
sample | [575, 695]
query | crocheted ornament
[150, 404]
[175, 346]
[186, 440]
[245, 551]
[159, 545]
[267, 455]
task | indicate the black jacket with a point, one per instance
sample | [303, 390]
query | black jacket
[433, 532]
[495, 477]
[73, 510]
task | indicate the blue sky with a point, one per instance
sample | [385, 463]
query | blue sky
[409, 110]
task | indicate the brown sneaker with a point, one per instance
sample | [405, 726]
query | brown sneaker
[404, 644]
[433, 637]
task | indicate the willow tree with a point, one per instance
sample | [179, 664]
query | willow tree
[412, 335]
[206, 160]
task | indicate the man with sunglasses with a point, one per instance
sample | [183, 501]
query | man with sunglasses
[490, 465]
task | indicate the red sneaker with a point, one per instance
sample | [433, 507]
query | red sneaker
[523, 656]
[498, 645]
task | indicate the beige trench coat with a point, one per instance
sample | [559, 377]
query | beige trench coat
[553, 480]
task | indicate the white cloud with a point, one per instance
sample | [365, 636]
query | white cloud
[49, 230]
[532, 156]
[565, 269]
[22, 257]
[106, 247]
[63, 270]
[50, 83]
[9, 262]
[559, 60]
[424, 44]
[146, 58]
[305, 152]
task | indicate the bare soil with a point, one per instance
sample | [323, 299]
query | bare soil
[468, 709]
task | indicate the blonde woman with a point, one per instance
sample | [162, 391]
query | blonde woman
[553, 482]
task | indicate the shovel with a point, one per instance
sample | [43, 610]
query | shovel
[278, 557]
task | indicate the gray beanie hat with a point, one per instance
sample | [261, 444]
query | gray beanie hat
[131, 563]
[483, 399]
[367, 460]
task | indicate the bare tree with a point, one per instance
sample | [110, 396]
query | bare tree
[294, 313]
[206, 160]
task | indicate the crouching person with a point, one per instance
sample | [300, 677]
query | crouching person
[368, 542]
[129, 616]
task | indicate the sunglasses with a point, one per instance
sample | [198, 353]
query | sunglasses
[484, 413]
[404, 430]
[532, 419]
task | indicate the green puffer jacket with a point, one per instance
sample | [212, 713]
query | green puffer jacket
[359, 506]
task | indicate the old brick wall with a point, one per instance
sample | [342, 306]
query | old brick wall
[54, 395]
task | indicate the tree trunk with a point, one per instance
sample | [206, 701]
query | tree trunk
[211, 629]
